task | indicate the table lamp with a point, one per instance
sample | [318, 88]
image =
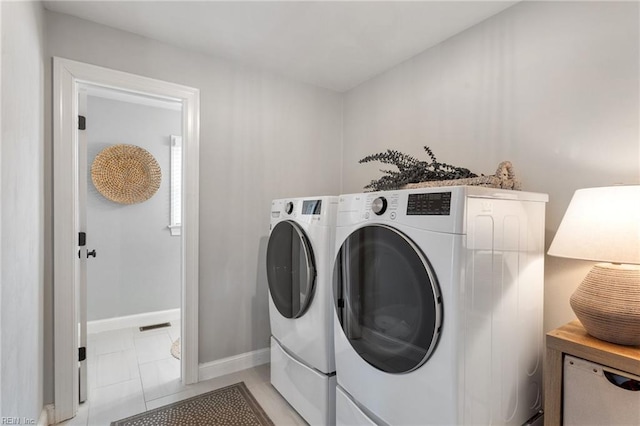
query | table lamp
[603, 225]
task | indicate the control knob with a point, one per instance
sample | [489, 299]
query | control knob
[288, 208]
[379, 205]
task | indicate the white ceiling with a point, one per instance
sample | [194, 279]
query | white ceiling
[332, 44]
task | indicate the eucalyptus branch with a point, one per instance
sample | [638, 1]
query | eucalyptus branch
[412, 170]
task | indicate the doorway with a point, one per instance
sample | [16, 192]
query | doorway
[132, 303]
[70, 79]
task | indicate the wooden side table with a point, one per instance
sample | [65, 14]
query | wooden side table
[572, 339]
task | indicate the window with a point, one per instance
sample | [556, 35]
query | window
[387, 299]
[290, 269]
[176, 185]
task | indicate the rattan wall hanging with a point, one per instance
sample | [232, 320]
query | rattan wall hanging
[126, 174]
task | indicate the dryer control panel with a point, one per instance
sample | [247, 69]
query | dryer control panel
[434, 209]
[429, 204]
[380, 205]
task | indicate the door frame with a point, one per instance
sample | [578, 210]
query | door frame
[67, 76]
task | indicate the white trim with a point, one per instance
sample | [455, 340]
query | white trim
[175, 185]
[119, 95]
[175, 230]
[67, 75]
[1, 222]
[129, 321]
[232, 364]
[65, 225]
[46, 416]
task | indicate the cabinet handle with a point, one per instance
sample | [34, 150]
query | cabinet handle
[622, 382]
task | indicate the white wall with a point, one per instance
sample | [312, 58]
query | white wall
[137, 267]
[1, 202]
[261, 137]
[21, 210]
[551, 86]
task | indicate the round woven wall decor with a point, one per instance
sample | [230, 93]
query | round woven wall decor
[126, 174]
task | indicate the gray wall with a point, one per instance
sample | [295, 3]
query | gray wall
[551, 86]
[261, 137]
[137, 269]
[21, 210]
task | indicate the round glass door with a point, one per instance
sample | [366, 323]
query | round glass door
[290, 269]
[387, 299]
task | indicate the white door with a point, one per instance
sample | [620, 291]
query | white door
[68, 76]
[83, 251]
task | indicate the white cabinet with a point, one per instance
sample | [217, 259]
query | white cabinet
[598, 395]
[583, 397]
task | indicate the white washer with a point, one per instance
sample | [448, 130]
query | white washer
[438, 298]
[299, 258]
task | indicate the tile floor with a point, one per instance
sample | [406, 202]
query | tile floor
[130, 371]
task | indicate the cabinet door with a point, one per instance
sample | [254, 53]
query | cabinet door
[598, 395]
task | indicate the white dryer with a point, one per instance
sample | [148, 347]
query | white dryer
[299, 259]
[438, 298]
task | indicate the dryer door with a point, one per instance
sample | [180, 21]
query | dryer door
[387, 299]
[291, 269]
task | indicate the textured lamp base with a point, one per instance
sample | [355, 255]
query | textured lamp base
[607, 303]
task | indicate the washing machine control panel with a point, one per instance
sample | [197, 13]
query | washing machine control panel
[379, 205]
[311, 207]
[288, 208]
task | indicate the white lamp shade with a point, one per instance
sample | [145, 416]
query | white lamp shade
[602, 225]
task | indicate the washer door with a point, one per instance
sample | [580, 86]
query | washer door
[387, 299]
[291, 271]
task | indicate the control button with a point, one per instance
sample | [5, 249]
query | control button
[366, 215]
[288, 208]
[379, 205]
[393, 215]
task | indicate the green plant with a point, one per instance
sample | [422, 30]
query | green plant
[412, 170]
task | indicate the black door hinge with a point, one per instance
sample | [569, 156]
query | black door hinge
[82, 122]
[82, 353]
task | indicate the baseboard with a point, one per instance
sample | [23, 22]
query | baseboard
[147, 318]
[233, 364]
[46, 416]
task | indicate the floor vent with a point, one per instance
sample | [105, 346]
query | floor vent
[154, 326]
